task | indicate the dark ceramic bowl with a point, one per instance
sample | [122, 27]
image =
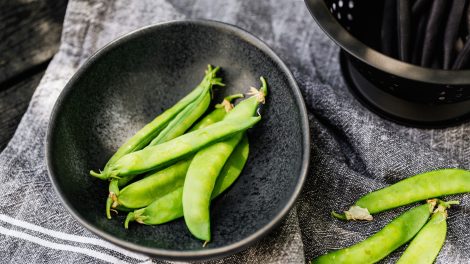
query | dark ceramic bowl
[133, 79]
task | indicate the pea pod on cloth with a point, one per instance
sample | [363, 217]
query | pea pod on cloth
[206, 166]
[425, 247]
[143, 192]
[170, 207]
[145, 135]
[420, 187]
[381, 244]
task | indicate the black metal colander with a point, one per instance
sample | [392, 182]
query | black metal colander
[400, 91]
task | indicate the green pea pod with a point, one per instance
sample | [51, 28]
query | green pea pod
[232, 168]
[425, 247]
[199, 183]
[214, 116]
[206, 166]
[155, 185]
[381, 244]
[417, 188]
[170, 206]
[179, 148]
[143, 192]
[175, 128]
[184, 120]
[152, 129]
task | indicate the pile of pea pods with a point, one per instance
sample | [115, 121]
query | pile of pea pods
[425, 225]
[176, 164]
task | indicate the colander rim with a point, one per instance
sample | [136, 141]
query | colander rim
[320, 12]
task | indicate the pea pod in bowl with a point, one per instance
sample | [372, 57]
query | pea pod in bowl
[206, 166]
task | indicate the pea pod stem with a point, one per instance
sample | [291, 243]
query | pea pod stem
[378, 246]
[420, 187]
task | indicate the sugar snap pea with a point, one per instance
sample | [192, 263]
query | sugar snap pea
[170, 206]
[152, 129]
[416, 188]
[179, 148]
[206, 166]
[176, 127]
[378, 246]
[184, 120]
[425, 247]
[145, 191]
[199, 183]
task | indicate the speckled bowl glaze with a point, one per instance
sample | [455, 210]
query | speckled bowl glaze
[130, 81]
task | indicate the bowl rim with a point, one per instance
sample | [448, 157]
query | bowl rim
[320, 12]
[209, 253]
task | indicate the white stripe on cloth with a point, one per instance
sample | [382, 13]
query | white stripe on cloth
[70, 237]
[49, 244]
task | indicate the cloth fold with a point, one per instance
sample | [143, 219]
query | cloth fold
[352, 152]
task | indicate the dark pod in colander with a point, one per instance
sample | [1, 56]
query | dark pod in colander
[399, 91]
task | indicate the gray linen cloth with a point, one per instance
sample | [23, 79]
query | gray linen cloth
[353, 151]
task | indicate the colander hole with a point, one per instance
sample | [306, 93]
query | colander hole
[350, 17]
[351, 4]
[339, 15]
[340, 3]
[442, 98]
[334, 6]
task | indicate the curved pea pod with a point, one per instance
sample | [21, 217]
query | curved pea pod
[184, 120]
[143, 192]
[199, 183]
[170, 206]
[145, 135]
[179, 128]
[179, 148]
[425, 247]
[155, 185]
[206, 166]
[413, 189]
[381, 244]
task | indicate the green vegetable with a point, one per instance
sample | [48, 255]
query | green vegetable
[152, 129]
[143, 192]
[425, 247]
[176, 127]
[170, 206]
[206, 166]
[156, 157]
[384, 242]
[417, 188]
